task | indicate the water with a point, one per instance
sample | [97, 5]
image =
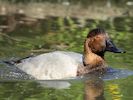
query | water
[21, 36]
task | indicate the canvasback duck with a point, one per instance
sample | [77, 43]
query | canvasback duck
[62, 65]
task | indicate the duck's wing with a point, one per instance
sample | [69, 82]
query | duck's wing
[77, 56]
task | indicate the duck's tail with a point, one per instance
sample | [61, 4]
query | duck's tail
[15, 61]
[8, 62]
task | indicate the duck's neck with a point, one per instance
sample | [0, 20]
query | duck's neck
[90, 59]
[101, 54]
[87, 50]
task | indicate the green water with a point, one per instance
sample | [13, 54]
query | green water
[57, 33]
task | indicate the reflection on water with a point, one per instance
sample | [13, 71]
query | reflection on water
[115, 91]
[94, 89]
[89, 89]
[49, 90]
[30, 32]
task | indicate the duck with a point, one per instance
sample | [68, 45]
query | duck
[67, 64]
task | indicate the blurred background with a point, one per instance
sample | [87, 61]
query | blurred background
[31, 27]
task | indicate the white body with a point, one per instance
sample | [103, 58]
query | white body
[53, 65]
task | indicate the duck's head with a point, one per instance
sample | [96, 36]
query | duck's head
[96, 44]
[99, 42]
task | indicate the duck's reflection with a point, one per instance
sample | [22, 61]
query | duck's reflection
[94, 89]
